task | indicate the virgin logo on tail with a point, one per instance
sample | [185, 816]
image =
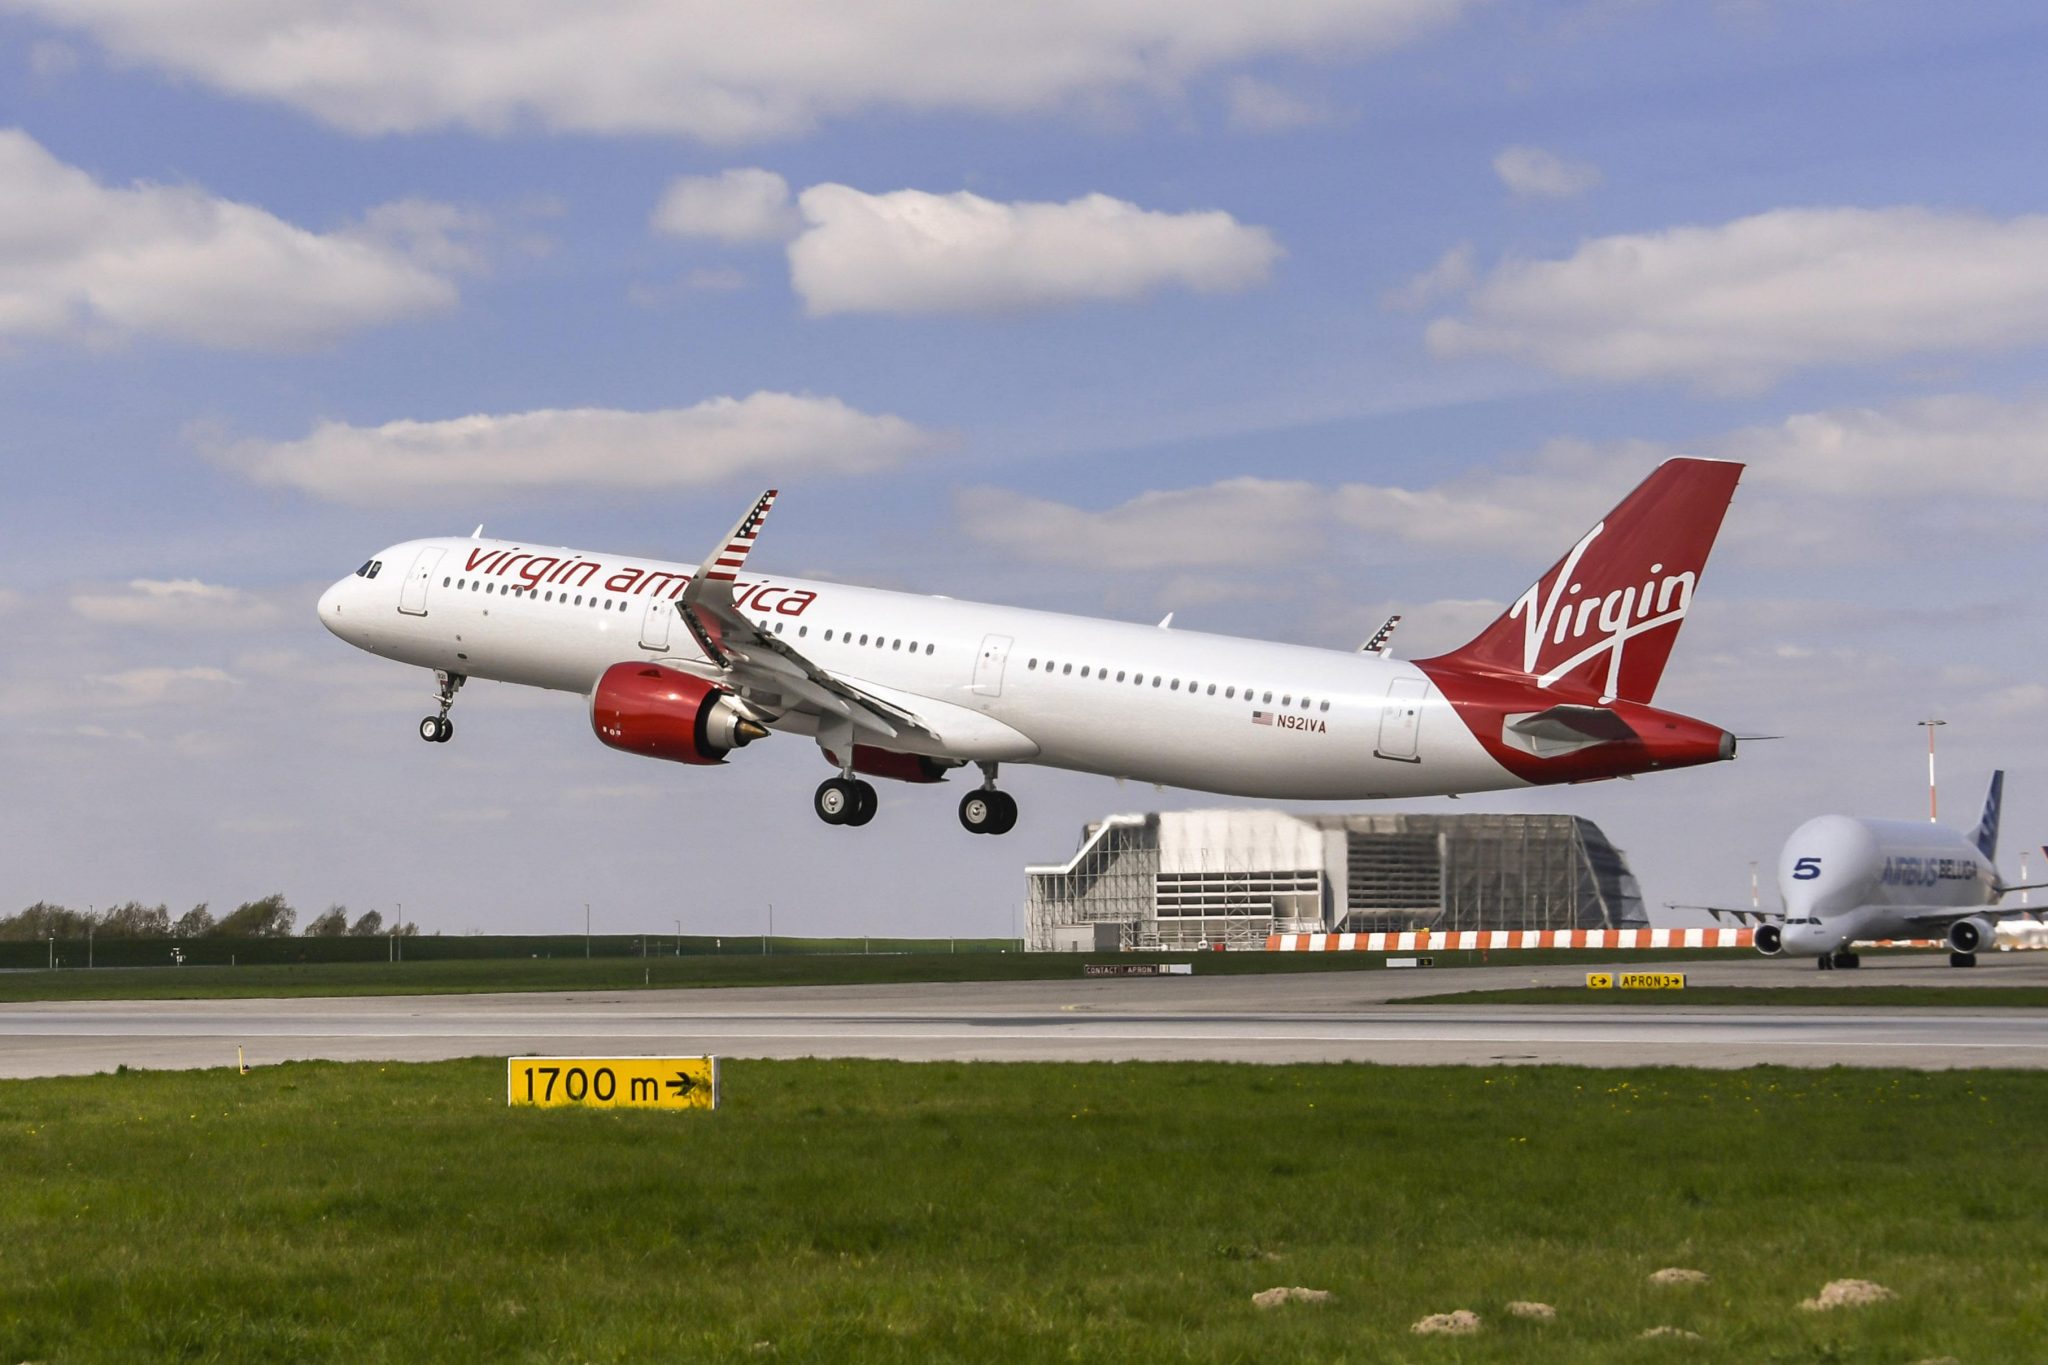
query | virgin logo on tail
[1602, 621]
[1615, 617]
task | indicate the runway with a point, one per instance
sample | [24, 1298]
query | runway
[1318, 1017]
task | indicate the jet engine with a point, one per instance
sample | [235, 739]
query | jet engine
[1769, 940]
[1970, 935]
[663, 713]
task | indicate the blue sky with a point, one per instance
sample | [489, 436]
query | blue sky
[1442, 279]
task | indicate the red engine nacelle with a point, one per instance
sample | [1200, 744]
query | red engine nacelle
[888, 763]
[662, 713]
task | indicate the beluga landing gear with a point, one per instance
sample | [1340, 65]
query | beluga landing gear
[987, 810]
[439, 729]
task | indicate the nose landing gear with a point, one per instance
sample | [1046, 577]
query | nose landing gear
[439, 729]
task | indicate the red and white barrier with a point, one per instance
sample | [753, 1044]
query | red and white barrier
[1469, 940]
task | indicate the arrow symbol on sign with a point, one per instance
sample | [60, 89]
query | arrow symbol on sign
[683, 1085]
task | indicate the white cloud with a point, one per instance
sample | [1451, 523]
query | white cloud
[913, 252]
[747, 205]
[1541, 174]
[1953, 445]
[51, 60]
[1737, 306]
[1235, 522]
[435, 235]
[1452, 274]
[709, 69]
[1261, 107]
[176, 604]
[160, 686]
[778, 435]
[78, 258]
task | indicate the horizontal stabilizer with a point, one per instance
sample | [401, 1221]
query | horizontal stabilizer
[1564, 729]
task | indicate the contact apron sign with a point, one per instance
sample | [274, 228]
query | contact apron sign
[612, 1082]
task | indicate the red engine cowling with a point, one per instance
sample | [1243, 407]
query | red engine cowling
[662, 713]
[888, 763]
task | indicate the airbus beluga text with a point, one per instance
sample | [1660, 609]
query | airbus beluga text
[689, 663]
[1845, 881]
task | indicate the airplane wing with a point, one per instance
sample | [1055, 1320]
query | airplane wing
[1740, 916]
[1950, 914]
[755, 661]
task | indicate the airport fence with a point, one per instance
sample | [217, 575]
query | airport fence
[70, 953]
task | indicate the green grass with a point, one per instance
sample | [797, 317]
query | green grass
[891, 1212]
[1947, 997]
[616, 973]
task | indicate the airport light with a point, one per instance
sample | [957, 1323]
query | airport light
[1933, 807]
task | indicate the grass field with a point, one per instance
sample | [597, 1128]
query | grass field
[612, 974]
[1836, 997]
[894, 1212]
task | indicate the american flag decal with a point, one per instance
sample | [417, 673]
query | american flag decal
[725, 565]
[1262, 717]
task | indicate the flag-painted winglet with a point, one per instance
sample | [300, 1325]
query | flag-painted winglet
[1381, 637]
[706, 604]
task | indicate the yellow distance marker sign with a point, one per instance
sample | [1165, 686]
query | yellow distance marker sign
[612, 1082]
[1599, 981]
[1652, 981]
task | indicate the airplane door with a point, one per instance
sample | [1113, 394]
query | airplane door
[988, 666]
[1401, 719]
[654, 625]
[412, 598]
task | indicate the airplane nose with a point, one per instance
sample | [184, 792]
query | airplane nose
[331, 603]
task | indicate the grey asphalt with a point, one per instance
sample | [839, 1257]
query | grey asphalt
[1320, 1017]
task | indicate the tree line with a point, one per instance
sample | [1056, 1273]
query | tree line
[270, 917]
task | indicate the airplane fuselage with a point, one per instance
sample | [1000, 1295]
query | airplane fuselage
[999, 683]
[1845, 880]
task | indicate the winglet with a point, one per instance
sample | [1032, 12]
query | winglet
[725, 563]
[1381, 637]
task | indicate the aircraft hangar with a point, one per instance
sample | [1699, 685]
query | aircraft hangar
[1193, 879]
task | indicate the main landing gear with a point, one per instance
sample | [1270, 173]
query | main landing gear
[1842, 961]
[988, 811]
[1962, 959]
[845, 801]
[439, 729]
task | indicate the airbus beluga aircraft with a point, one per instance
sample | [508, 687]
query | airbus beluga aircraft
[1844, 880]
[690, 662]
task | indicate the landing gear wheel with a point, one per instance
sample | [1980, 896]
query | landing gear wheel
[1007, 816]
[1962, 959]
[865, 803]
[988, 811]
[447, 731]
[835, 801]
[437, 729]
[1847, 960]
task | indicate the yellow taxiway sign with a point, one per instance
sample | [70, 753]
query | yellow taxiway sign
[612, 1082]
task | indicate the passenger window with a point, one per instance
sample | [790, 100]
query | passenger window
[1034, 666]
[1156, 680]
[895, 644]
[1324, 707]
[1084, 670]
[1287, 701]
[1066, 668]
[828, 637]
[1119, 675]
[444, 582]
[863, 639]
[929, 648]
[1230, 693]
[1269, 696]
[802, 631]
[1176, 685]
[913, 646]
[1212, 689]
[778, 627]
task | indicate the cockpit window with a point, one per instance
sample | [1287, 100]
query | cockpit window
[364, 572]
[376, 567]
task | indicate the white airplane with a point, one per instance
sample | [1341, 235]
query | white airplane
[688, 665]
[1845, 881]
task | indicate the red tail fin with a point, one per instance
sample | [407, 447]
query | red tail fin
[1602, 621]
